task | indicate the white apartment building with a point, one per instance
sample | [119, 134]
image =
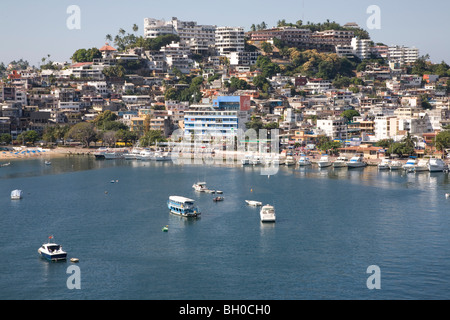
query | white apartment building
[403, 55]
[198, 38]
[229, 39]
[176, 55]
[385, 127]
[361, 48]
[344, 51]
[335, 128]
[243, 58]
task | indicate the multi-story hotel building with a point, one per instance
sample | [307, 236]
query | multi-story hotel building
[199, 38]
[403, 55]
[223, 118]
[229, 39]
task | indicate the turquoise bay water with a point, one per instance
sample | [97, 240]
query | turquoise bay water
[331, 225]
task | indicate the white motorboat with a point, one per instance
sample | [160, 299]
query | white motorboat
[324, 161]
[304, 161]
[447, 195]
[267, 213]
[16, 194]
[255, 160]
[384, 164]
[200, 186]
[436, 165]
[253, 203]
[162, 156]
[395, 165]
[146, 155]
[356, 162]
[340, 162]
[47, 163]
[290, 161]
[52, 251]
[422, 165]
[246, 160]
[134, 154]
[410, 164]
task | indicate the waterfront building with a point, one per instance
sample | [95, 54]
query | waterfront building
[223, 117]
[335, 128]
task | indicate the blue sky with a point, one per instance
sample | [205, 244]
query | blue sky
[32, 29]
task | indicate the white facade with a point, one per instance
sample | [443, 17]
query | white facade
[361, 48]
[198, 38]
[403, 54]
[229, 39]
[333, 128]
[176, 55]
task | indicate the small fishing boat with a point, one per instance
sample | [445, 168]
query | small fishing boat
[74, 260]
[253, 203]
[165, 229]
[47, 163]
[219, 192]
[218, 199]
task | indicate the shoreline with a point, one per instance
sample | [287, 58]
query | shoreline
[21, 153]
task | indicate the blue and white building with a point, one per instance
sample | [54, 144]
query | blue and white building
[223, 118]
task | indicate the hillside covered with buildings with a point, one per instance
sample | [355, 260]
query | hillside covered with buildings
[321, 85]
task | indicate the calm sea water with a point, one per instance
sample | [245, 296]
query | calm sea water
[331, 226]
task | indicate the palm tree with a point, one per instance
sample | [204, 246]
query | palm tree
[108, 37]
[135, 28]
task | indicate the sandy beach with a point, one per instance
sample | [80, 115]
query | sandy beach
[35, 152]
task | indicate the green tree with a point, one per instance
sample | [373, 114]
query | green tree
[442, 140]
[349, 114]
[83, 132]
[151, 137]
[30, 136]
[5, 138]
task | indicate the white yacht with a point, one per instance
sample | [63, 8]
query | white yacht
[384, 164]
[290, 161]
[16, 194]
[52, 251]
[356, 162]
[436, 165]
[304, 161]
[200, 186]
[410, 164]
[324, 161]
[277, 160]
[395, 165]
[422, 165]
[340, 162]
[267, 213]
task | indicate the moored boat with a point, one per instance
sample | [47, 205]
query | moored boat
[16, 194]
[410, 164]
[395, 165]
[384, 164]
[253, 203]
[52, 251]
[304, 161]
[340, 162]
[324, 161]
[200, 186]
[267, 213]
[182, 206]
[436, 165]
[356, 162]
